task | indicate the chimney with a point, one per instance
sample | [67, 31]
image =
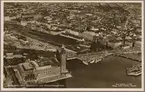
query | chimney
[63, 60]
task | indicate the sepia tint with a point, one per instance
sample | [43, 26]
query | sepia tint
[72, 45]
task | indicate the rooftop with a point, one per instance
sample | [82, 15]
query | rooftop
[27, 66]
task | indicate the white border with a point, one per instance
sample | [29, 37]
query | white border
[142, 46]
[73, 89]
[2, 25]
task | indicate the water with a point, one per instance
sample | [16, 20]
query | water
[105, 74]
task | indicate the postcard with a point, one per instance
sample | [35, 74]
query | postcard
[72, 45]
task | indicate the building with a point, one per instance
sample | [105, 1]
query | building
[30, 73]
[7, 18]
[13, 58]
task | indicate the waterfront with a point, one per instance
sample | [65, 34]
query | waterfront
[41, 38]
[105, 74]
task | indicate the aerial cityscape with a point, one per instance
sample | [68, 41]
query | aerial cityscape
[72, 45]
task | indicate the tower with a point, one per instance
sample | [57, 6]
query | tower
[63, 60]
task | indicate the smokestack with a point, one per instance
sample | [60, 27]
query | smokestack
[63, 60]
